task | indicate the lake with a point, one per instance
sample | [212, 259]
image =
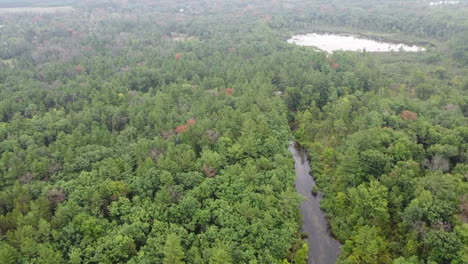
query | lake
[334, 42]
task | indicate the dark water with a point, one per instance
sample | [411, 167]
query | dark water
[323, 248]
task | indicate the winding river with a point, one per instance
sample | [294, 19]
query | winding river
[323, 248]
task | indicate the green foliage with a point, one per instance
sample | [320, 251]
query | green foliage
[379, 167]
[410, 260]
[173, 251]
[138, 133]
[220, 255]
[369, 205]
[8, 254]
[367, 246]
[302, 254]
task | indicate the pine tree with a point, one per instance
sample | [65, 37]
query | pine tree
[173, 251]
[220, 255]
[8, 254]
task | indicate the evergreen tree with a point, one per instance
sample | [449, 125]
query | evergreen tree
[173, 251]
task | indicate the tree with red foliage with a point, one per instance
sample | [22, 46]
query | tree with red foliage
[181, 129]
[409, 115]
[267, 18]
[191, 122]
[179, 56]
[75, 34]
[229, 91]
[332, 63]
[79, 69]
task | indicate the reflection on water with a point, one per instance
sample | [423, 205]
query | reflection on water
[333, 42]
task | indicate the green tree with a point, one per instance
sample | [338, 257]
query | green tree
[220, 255]
[369, 205]
[367, 246]
[442, 246]
[173, 251]
[302, 254]
[8, 254]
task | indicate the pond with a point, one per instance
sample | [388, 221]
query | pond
[334, 42]
[444, 3]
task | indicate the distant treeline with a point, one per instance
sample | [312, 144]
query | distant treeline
[34, 3]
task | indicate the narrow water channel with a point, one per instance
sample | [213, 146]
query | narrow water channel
[323, 248]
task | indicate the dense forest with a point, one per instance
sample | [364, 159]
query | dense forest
[157, 131]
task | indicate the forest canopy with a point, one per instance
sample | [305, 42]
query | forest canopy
[157, 131]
